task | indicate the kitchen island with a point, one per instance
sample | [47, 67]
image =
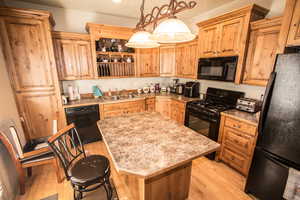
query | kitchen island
[153, 154]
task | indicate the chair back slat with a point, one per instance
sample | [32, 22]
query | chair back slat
[67, 146]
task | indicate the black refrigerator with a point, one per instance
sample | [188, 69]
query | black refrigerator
[278, 144]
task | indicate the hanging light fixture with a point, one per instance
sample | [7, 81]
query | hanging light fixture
[171, 30]
[141, 38]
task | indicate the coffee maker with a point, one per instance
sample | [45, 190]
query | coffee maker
[191, 89]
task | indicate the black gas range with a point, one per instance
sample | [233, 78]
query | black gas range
[203, 116]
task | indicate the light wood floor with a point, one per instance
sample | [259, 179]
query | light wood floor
[210, 181]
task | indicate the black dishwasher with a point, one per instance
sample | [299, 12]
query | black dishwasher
[85, 119]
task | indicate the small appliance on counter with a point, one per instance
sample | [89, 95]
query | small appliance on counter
[180, 88]
[248, 105]
[191, 89]
[97, 92]
[174, 85]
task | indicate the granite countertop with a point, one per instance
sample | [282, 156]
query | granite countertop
[147, 144]
[102, 100]
[240, 115]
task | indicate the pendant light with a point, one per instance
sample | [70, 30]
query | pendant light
[172, 30]
[141, 38]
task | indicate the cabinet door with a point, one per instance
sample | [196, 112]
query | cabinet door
[180, 60]
[84, 59]
[208, 41]
[27, 54]
[163, 106]
[66, 54]
[190, 61]
[148, 62]
[294, 34]
[177, 112]
[261, 55]
[167, 61]
[230, 37]
[38, 109]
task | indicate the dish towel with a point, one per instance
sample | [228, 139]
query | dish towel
[292, 188]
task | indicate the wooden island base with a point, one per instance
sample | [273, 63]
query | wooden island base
[173, 184]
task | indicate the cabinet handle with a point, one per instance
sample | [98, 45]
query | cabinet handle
[236, 126]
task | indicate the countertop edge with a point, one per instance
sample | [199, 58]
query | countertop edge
[239, 118]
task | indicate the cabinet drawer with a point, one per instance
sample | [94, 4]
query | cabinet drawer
[240, 126]
[236, 161]
[238, 142]
[150, 101]
[114, 113]
[177, 104]
[111, 107]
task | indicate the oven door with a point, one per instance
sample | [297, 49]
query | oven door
[202, 125]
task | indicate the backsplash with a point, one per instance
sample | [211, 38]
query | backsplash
[250, 91]
[85, 86]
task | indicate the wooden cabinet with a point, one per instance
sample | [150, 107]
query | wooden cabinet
[28, 52]
[186, 60]
[73, 56]
[124, 108]
[227, 35]
[208, 43]
[167, 61]
[178, 111]
[150, 104]
[294, 33]
[230, 33]
[38, 110]
[238, 140]
[148, 62]
[262, 49]
[163, 106]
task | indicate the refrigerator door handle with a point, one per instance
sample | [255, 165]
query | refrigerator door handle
[265, 101]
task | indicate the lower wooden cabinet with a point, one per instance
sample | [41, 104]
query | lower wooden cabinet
[262, 51]
[38, 110]
[124, 108]
[238, 140]
[150, 104]
[163, 106]
[171, 108]
[178, 111]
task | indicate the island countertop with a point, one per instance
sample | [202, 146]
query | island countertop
[147, 144]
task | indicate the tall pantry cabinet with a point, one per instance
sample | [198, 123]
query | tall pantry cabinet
[25, 35]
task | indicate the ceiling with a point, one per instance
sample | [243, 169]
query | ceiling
[127, 8]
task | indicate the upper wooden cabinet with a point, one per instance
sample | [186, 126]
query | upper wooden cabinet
[167, 60]
[73, 55]
[28, 51]
[294, 32]
[230, 37]
[262, 51]
[208, 43]
[148, 62]
[227, 35]
[186, 60]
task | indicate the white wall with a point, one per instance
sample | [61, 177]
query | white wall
[71, 20]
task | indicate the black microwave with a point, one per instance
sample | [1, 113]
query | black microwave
[220, 69]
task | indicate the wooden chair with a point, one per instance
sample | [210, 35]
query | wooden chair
[34, 153]
[86, 173]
